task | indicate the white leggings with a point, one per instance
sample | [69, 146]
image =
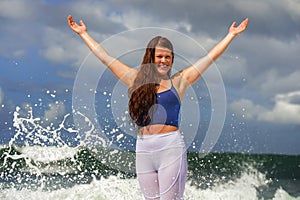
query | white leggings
[161, 165]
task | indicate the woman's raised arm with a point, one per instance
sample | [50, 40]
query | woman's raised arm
[191, 74]
[120, 70]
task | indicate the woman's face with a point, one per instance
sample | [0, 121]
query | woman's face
[163, 59]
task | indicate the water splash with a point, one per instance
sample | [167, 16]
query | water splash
[38, 157]
[30, 130]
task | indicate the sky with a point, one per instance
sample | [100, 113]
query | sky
[40, 59]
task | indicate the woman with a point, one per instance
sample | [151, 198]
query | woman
[154, 104]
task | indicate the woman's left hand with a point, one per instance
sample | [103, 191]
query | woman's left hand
[239, 29]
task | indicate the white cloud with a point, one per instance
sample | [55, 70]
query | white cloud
[56, 111]
[293, 7]
[19, 26]
[245, 108]
[274, 82]
[270, 65]
[61, 48]
[286, 109]
[132, 19]
[52, 116]
[17, 9]
[233, 69]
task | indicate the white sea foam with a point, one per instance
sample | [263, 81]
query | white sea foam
[48, 154]
[115, 188]
[282, 194]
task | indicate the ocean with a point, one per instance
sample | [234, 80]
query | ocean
[44, 172]
[39, 163]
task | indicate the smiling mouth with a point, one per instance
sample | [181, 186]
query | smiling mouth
[161, 66]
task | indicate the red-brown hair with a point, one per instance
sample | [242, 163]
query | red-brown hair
[142, 95]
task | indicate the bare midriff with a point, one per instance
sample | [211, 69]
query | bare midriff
[157, 129]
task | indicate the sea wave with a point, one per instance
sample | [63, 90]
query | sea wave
[113, 187]
[82, 173]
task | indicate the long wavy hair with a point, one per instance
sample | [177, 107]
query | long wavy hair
[143, 93]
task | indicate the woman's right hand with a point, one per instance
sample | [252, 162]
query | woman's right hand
[79, 29]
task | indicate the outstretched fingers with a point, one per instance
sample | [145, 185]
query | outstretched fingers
[81, 23]
[244, 24]
[235, 30]
[70, 19]
[71, 22]
[78, 28]
[233, 24]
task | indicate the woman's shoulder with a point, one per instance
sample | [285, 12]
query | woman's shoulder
[179, 83]
[176, 77]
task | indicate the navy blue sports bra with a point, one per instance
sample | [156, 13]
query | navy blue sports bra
[166, 111]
